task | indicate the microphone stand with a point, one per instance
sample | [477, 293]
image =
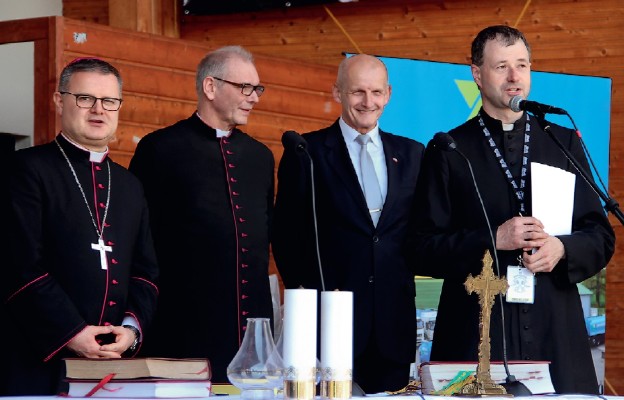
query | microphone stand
[512, 385]
[611, 205]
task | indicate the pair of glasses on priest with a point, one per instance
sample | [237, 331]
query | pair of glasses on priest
[113, 104]
[88, 101]
[246, 88]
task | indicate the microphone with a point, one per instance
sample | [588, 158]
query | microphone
[517, 103]
[293, 140]
[445, 142]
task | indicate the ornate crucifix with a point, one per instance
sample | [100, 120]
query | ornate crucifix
[486, 286]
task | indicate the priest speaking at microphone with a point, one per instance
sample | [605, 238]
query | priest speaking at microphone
[79, 267]
[450, 233]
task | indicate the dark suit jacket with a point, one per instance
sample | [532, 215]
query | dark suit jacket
[355, 255]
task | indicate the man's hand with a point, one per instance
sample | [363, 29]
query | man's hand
[86, 345]
[124, 338]
[520, 233]
[545, 257]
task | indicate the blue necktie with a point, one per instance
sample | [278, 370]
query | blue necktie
[370, 183]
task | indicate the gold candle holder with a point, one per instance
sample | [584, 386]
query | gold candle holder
[299, 384]
[336, 383]
[299, 390]
[336, 389]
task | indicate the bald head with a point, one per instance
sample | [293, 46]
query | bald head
[359, 62]
[363, 91]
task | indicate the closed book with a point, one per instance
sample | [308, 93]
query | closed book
[140, 388]
[134, 368]
[534, 375]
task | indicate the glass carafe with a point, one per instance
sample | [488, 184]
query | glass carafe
[257, 367]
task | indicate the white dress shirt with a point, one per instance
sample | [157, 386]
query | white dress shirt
[375, 149]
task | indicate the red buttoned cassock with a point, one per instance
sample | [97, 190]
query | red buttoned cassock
[53, 282]
[210, 202]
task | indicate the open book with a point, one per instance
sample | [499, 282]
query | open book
[135, 368]
[534, 375]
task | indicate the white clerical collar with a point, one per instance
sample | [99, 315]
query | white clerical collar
[94, 156]
[508, 127]
[220, 133]
[350, 134]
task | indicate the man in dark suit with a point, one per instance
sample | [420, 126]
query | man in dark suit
[359, 240]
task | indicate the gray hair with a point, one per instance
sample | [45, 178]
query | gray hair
[215, 64]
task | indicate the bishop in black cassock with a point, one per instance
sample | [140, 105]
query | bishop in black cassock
[54, 283]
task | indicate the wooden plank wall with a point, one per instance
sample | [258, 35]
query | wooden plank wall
[87, 10]
[159, 85]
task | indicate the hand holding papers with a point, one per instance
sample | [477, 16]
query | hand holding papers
[552, 194]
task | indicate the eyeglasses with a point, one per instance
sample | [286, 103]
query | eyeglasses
[88, 101]
[246, 88]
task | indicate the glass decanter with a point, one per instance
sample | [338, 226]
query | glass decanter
[257, 367]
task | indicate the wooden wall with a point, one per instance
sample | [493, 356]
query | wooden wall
[159, 81]
[571, 36]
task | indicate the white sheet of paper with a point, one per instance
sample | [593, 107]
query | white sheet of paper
[552, 195]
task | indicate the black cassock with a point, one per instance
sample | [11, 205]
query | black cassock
[449, 237]
[210, 202]
[52, 280]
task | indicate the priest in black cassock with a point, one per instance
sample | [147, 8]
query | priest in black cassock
[209, 187]
[79, 268]
[450, 234]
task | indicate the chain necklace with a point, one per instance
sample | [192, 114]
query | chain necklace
[99, 246]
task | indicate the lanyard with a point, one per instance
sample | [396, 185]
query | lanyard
[517, 188]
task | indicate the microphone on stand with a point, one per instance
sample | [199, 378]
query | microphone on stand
[445, 142]
[518, 103]
[294, 141]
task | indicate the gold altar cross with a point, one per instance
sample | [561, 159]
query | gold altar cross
[486, 285]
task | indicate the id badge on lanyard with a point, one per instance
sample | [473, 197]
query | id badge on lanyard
[521, 284]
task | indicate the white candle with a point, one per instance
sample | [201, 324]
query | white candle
[337, 332]
[300, 331]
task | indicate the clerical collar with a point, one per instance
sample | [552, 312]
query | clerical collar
[497, 125]
[220, 133]
[350, 134]
[94, 156]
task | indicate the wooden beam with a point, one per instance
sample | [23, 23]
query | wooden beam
[171, 15]
[160, 17]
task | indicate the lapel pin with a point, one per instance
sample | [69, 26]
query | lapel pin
[395, 160]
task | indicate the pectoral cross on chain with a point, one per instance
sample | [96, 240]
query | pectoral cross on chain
[486, 285]
[102, 248]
